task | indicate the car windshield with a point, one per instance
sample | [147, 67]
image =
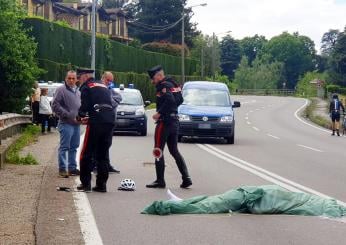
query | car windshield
[204, 97]
[131, 98]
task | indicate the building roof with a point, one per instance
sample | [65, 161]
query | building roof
[67, 8]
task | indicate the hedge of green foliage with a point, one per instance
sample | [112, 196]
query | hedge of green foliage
[332, 88]
[57, 72]
[66, 45]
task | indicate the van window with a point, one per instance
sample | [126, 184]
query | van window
[203, 97]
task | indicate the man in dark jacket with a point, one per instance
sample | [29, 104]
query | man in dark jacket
[166, 131]
[335, 108]
[97, 111]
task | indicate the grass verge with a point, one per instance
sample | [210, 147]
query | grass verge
[28, 136]
[151, 106]
[309, 113]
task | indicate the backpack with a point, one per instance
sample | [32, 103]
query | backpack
[176, 91]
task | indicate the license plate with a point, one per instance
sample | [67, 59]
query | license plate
[204, 126]
[122, 121]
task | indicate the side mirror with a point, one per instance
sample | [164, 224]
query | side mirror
[147, 103]
[236, 104]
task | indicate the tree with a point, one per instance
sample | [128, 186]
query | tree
[328, 41]
[338, 60]
[297, 53]
[262, 75]
[207, 51]
[18, 68]
[114, 3]
[251, 46]
[230, 55]
[152, 21]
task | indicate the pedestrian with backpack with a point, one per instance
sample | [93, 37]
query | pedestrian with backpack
[168, 98]
[335, 108]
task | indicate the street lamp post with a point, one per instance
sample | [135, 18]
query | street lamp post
[93, 35]
[183, 41]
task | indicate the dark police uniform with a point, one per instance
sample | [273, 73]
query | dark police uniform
[96, 103]
[166, 131]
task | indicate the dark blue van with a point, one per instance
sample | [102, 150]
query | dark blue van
[207, 111]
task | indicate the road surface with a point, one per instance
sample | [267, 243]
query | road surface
[272, 146]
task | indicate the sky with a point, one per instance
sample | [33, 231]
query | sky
[270, 17]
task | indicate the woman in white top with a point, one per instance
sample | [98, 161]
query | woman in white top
[45, 110]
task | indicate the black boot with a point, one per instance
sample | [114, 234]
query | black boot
[337, 132]
[333, 133]
[183, 170]
[100, 188]
[160, 175]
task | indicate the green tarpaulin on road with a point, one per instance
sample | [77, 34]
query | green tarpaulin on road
[269, 199]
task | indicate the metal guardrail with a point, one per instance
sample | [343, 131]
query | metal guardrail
[278, 92]
[10, 125]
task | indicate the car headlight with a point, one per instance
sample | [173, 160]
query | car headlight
[140, 112]
[226, 119]
[184, 118]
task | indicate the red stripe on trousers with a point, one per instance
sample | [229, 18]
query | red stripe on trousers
[85, 143]
[159, 134]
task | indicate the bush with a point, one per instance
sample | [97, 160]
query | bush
[57, 71]
[68, 46]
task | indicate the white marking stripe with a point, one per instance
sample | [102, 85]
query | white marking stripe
[86, 218]
[303, 121]
[273, 136]
[246, 118]
[255, 128]
[265, 174]
[248, 122]
[310, 148]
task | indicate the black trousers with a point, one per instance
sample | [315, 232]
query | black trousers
[97, 141]
[167, 133]
[43, 119]
[35, 112]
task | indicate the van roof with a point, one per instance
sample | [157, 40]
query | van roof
[206, 85]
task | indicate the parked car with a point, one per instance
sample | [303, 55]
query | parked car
[51, 88]
[207, 111]
[131, 114]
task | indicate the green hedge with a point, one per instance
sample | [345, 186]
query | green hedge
[57, 71]
[66, 45]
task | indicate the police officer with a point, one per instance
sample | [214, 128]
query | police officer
[166, 127]
[98, 112]
[334, 110]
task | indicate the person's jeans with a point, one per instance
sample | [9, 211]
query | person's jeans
[69, 142]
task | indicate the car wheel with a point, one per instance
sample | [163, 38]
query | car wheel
[180, 138]
[144, 132]
[230, 140]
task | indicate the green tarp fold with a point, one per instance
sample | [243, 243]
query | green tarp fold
[269, 199]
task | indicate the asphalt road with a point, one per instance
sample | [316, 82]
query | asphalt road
[272, 146]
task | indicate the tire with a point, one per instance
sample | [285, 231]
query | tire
[144, 132]
[230, 140]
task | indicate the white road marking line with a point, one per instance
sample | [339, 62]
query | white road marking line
[246, 118]
[255, 128]
[86, 217]
[273, 136]
[250, 111]
[248, 122]
[310, 148]
[263, 173]
[303, 121]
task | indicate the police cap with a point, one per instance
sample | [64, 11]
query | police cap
[152, 72]
[82, 71]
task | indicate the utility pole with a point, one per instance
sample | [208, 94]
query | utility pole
[202, 61]
[183, 47]
[213, 57]
[93, 35]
